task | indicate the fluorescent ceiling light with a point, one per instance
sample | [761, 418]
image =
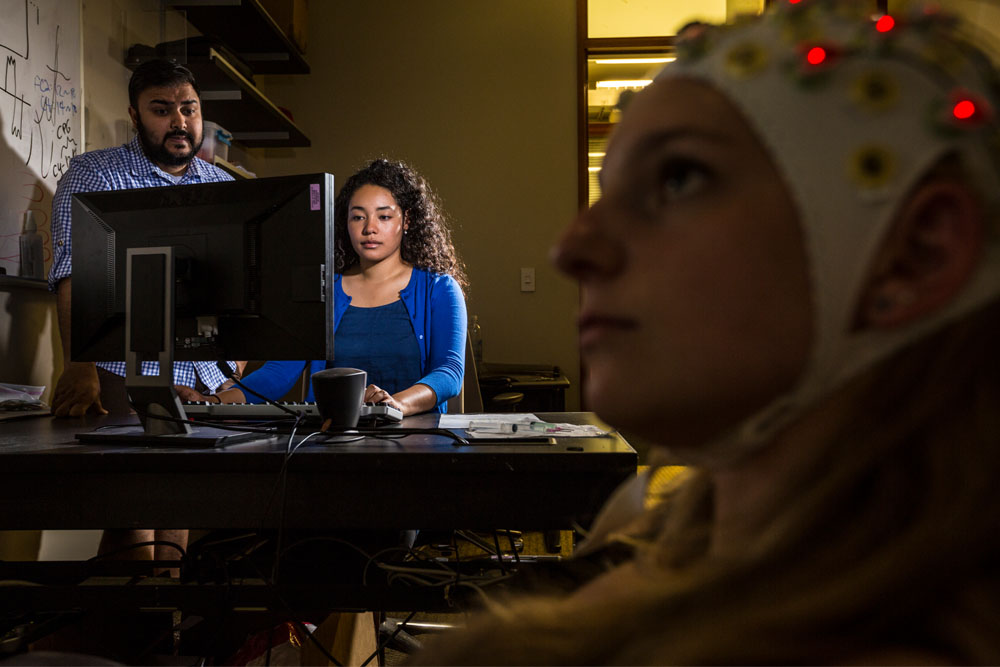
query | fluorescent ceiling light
[596, 154]
[634, 61]
[624, 83]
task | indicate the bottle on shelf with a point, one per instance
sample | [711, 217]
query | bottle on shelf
[32, 257]
[476, 337]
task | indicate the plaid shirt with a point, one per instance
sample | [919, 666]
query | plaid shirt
[122, 168]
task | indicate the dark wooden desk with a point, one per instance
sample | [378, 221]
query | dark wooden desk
[544, 387]
[50, 480]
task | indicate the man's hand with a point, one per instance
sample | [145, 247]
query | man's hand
[78, 391]
[189, 394]
[221, 396]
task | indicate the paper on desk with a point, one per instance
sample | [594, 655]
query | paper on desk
[499, 426]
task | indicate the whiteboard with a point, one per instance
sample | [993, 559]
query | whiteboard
[41, 109]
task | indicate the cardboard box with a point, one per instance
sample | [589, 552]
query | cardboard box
[291, 17]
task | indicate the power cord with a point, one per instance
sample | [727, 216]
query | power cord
[290, 450]
[291, 615]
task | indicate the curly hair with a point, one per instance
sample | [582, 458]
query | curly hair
[427, 243]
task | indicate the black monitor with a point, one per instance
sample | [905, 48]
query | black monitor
[234, 270]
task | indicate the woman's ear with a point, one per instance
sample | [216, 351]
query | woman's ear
[930, 253]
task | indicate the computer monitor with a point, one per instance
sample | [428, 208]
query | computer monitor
[234, 270]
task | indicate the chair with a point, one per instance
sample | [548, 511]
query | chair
[469, 398]
[499, 394]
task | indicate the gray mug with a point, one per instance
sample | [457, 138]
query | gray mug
[339, 393]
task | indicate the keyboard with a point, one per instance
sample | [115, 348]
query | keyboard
[371, 413]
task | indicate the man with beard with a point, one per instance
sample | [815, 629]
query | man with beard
[165, 107]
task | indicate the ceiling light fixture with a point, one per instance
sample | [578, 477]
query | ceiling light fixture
[633, 61]
[624, 83]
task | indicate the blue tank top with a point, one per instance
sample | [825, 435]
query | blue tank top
[380, 341]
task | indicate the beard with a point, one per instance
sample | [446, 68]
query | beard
[159, 154]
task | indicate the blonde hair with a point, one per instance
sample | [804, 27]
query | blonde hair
[889, 542]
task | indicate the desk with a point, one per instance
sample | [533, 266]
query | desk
[544, 387]
[49, 480]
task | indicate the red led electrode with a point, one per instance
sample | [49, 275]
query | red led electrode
[794, 2]
[885, 24]
[964, 109]
[967, 109]
[816, 55]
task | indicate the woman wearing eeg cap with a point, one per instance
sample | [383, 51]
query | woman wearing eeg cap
[791, 283]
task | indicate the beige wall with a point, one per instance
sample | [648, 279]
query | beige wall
[644, 18]
[29, 339]
[480, 97]
[30, 348]
[109, 27]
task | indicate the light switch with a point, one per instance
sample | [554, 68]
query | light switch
[528, 279]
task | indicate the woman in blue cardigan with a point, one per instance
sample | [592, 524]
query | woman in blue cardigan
[399, 309]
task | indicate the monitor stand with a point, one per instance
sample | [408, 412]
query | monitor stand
[149, 336]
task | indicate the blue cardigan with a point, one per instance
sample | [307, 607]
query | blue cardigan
[436, 307]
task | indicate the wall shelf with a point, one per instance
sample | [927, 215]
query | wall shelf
[246, 32]
[246, 28]
[230, 100]
[233, 170]
[11, 282]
